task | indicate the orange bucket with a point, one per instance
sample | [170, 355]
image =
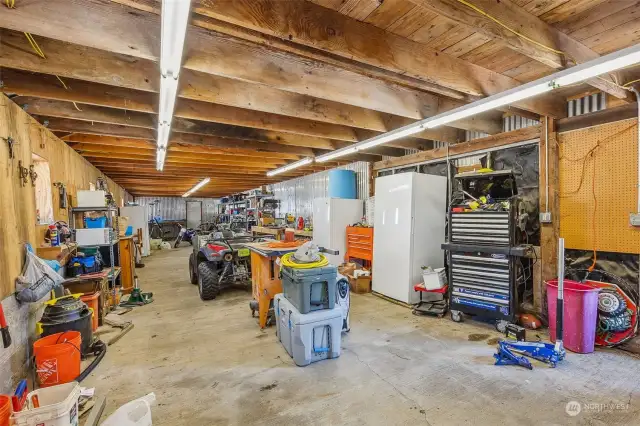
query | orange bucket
[58, 358]
[91, 299]
[5, 410]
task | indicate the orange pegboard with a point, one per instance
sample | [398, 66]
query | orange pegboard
[612, 151]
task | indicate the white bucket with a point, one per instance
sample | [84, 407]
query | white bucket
[58, 406]
[133, 413]
[435, 279]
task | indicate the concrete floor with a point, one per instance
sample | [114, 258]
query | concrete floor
[209, 364]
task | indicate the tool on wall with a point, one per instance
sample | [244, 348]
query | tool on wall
[10, 142]
[23, 173]
[33, 175]
[4, 328]
[62, 192]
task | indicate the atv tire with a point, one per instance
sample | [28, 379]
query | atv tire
[193, 274]
[208, 285]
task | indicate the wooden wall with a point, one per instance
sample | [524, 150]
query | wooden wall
[17, 202]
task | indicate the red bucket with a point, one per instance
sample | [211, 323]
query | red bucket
[580, 315]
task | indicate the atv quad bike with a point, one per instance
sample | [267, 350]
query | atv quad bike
[219, 260]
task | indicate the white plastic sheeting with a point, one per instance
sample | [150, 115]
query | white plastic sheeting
[296, 195]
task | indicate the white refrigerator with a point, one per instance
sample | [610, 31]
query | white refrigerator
[331, 216]
[409, 227]
[139, 218]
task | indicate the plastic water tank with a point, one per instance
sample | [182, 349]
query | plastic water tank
[342, 184]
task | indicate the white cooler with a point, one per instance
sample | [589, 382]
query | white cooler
[308, 337]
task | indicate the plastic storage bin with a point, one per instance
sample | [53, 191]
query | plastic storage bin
[580, 315]
[58, 406]
[435, 279]
[98, 222]
[308, 337]
[310, 289]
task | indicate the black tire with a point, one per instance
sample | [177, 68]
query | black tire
[208, 285]
[193, 275]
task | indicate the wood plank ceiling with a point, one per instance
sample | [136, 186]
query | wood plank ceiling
[267, 82]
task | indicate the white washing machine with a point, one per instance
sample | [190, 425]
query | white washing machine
[343, 300]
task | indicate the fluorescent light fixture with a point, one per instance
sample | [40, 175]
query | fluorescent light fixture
[604, 64]
[291, 166]
[161, 154]
[175, 19]
[163, 135]
[199, 185]
[168, 92]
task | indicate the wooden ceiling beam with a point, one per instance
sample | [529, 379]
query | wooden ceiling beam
[95, 150]
[315, 26]
[285, 45]
[178, 147]
[43, 86]
[95, 114]
[230, 89]
[177, 162]
[91, 24]
[529, 26]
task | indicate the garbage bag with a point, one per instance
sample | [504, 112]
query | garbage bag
[37, 279]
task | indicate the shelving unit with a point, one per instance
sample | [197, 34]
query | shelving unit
[250, 203]
[113, 237]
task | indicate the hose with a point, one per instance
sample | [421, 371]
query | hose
[100, 349]
[286, 260]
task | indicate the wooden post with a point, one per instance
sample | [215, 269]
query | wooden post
[549, 232]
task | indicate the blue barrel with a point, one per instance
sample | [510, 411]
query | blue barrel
[342, 184]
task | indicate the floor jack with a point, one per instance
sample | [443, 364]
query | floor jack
[548, 353]
[137, 297]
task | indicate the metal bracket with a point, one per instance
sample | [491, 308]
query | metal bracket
[33, 175]
[23, 173]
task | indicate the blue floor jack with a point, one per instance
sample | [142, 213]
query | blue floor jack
[509, 351]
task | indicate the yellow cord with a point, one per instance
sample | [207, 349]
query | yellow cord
[631, 82]
[11, 4]
[285, 260]
[36, 48]
[508, 28]
[34, 45]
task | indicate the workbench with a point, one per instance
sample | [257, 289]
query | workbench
[265, 276]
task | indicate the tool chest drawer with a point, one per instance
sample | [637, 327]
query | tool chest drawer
[481, 283]
[359, 243]
[481, 227]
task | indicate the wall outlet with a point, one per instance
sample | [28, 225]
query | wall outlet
[545, 217]
[634, 219]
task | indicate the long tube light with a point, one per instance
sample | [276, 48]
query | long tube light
[199, 185]
[163, 135]
[579, 73]
[168, 92]
[175, 20]
[290, 166]
[161, 154]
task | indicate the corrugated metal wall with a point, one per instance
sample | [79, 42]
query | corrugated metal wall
[176, 207]
[296, 195]
[587, 104]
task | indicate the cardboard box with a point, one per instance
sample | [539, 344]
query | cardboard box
[347, 269]
[92, 236]
[359, 285]
[91, 199]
